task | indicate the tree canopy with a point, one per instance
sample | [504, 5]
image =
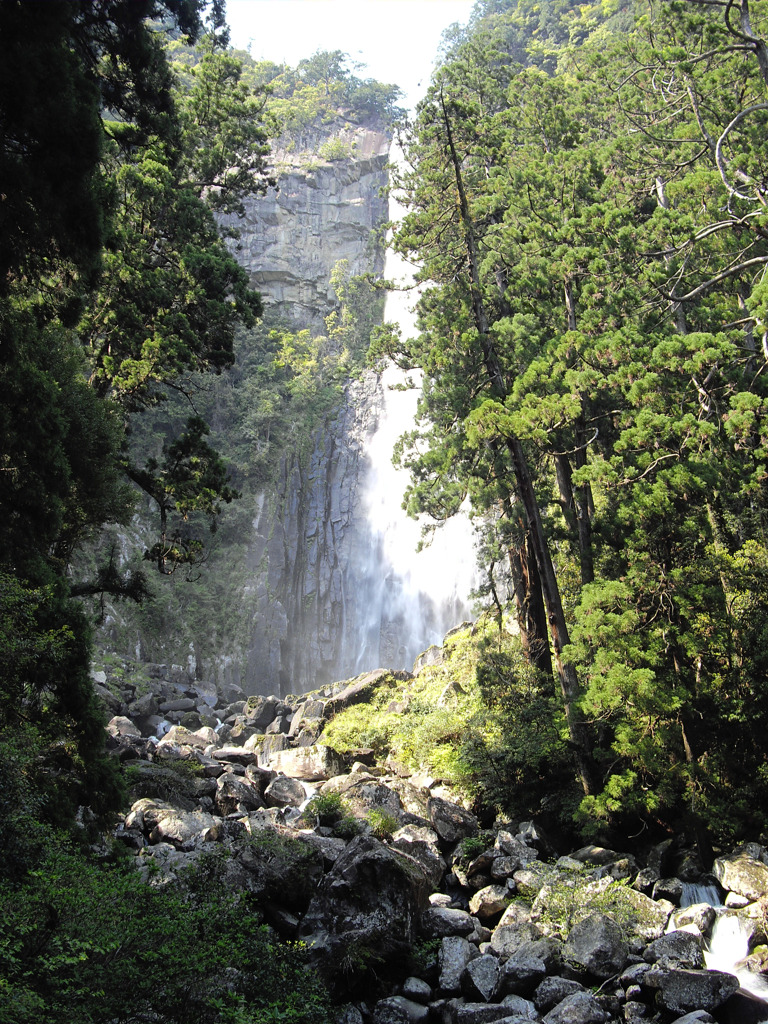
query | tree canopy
[588, 207]
[115, 284]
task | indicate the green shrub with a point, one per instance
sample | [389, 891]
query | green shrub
[336, 148]
[327, 808]
[348, 827]
[90, 944]
[381, 823]
[472, 846]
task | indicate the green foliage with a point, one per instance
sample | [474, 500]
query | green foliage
[327, 808]
[472, 846]
[381, 823]
[88, 944]
[321, 91]
[347, 827]
[593, 383]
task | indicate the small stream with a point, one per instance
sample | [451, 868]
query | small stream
[728, 942]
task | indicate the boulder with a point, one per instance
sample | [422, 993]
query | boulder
[742, 874]
[514, 928]
[668, 889]
[455, 953]
[179, 704]
[417, 990]
[276, 865]
[235, 755]
[178, 736]
[480, 980]
[372, 896]
[679, 949]
[597, 945]
[185, 829]
[553, 991]
[510, 847]
[236, 795]
[316, 763]
[484, 1013]
[122, 726]
[260, 711]
[682, 990]
[399, 1010]
[522, 973]
[364, 792]
[579, 1008]
[441, 921]
[490, 901]
[427, 856]
[283, 791]
[361, 689]
[698, 917]
[450, 821]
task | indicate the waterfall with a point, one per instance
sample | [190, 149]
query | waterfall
[413, 597]
[727, 947]
[728, 942]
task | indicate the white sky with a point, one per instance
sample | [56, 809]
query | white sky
[397, 40]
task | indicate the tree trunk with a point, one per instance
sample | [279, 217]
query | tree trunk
[569, 682]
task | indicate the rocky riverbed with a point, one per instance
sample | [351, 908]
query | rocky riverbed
[413, 912]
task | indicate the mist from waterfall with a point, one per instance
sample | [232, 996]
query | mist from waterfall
[413, 597]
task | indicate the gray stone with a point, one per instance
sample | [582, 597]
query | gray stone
[427, 855]
[511, 847]
[310, 764]
[180, 704]
[177, 735]
[417, 990]
[234, 794]
[399, 1010]
[284, 792]
[579, 1008]
[742, 874]
[480, 980]
[700, 916]
[235, 755]
[668, 889]
[684, 990]
[484, 1013]
[372, 895]
[522, 973]
[439, 921]
[490, 901]
[455, 954]
[597, 945]
[696, 1017]
[519, 1007]
[554, 990]
[514, 928]
[450, 821]
[184, 829]
[122, 726]
[679, 949]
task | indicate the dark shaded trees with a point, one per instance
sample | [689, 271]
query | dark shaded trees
[590, 244]
[114, 282]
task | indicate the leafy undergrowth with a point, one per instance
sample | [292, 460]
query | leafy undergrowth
[481, 721]
[86, 943]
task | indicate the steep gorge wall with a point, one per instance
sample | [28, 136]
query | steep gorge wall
[310, 551]
[323, 211]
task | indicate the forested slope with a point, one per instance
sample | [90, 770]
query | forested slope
[591, 224]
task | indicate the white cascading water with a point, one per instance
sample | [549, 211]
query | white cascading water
[728, 943]
[418, 595]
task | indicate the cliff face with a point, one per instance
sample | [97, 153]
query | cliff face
[301, 593]
[310, 551]
[323, 211]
